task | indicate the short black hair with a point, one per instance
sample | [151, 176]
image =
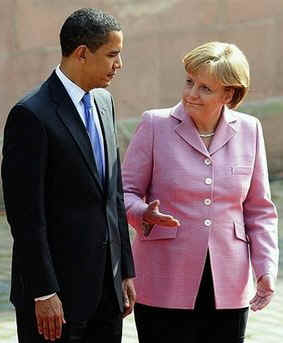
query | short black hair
[86, 26]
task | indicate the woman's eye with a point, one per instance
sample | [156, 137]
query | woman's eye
[189, 82]
[206, 89]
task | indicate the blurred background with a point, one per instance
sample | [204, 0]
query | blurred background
[157, 33]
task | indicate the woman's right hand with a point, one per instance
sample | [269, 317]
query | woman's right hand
[152, 216]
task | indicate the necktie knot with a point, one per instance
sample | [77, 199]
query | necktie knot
[86, 100]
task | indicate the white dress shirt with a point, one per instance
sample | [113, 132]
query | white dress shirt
[76, 94]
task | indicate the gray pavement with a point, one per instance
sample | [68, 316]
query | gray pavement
[265, 326]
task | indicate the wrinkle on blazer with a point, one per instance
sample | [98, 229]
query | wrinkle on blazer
[221, 197]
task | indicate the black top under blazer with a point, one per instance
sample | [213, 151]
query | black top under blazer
[60, 214]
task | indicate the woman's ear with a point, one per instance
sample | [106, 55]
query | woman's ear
[229, 93]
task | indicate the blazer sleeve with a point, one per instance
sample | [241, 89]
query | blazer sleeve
[260, 215]
[137, 171]
[25, 151]
[127, 265]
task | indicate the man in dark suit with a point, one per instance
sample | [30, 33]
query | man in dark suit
[72, 265]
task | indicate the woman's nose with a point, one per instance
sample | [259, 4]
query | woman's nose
[194, 92]
[191, 93]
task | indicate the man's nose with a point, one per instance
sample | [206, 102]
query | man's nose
[118, 62]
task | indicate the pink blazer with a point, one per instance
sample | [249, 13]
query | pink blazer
[220, 196]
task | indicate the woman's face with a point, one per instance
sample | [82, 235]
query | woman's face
[204, 96]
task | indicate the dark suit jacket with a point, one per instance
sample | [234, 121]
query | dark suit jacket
[59, 212]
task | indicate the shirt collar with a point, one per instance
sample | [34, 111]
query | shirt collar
[75, 92]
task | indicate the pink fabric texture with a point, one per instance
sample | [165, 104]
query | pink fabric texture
[221, 198]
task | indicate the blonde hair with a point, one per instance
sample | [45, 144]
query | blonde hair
[226, 62]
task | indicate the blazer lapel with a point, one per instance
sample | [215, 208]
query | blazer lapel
[70, 117]
[187, 130]
[227, 128]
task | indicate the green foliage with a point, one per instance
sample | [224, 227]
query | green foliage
[261, 109]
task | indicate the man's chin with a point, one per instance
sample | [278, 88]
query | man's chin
[104, 84]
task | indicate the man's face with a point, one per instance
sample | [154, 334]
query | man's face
[101, 66]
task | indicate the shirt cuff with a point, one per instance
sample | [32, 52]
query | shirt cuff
[44, 297]
[261, 276]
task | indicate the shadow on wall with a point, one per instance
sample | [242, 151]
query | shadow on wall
[269, 113]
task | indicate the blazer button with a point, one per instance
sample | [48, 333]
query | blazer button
[207, 161]
[208, 181]
[207, 222]
[207, 202]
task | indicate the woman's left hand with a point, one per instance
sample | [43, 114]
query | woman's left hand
[264, 293]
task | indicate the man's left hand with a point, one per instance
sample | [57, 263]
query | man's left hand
[264, 293]
[129, 296]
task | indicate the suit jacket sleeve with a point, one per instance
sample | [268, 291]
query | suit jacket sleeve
[127, 266]
[137, 172]
[260, 215]
[25, 153]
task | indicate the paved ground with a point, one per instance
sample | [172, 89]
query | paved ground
[265, 326]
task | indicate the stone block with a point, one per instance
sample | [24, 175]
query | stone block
[240, 11]
[7, 19]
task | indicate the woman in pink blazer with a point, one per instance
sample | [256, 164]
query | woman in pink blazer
[197, 193]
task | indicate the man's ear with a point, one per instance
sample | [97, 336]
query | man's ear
[80, 53]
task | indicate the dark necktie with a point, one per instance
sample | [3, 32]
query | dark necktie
[93, 135]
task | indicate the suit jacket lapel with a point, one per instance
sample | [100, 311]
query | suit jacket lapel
[70, 117]
[108, 134]
[227, 128]
[187, 130]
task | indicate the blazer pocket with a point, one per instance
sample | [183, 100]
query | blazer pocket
[160, 232]
[240, 232]
[241, 170]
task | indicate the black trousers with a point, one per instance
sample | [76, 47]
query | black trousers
[204, 324]
[104, 326]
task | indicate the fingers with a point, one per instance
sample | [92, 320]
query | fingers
[167, 220]
[50, 318]
[40, 326]
[154, 205]
[51, 328]
[264, 293]
[127, 307]
[258, 303]
[45, 329]
[163, 220]
[58, 327]
[154, 217]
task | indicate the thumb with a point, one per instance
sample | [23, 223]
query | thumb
[126, 301]
[153, 206]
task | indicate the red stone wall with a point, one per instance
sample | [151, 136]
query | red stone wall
[157, 34]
